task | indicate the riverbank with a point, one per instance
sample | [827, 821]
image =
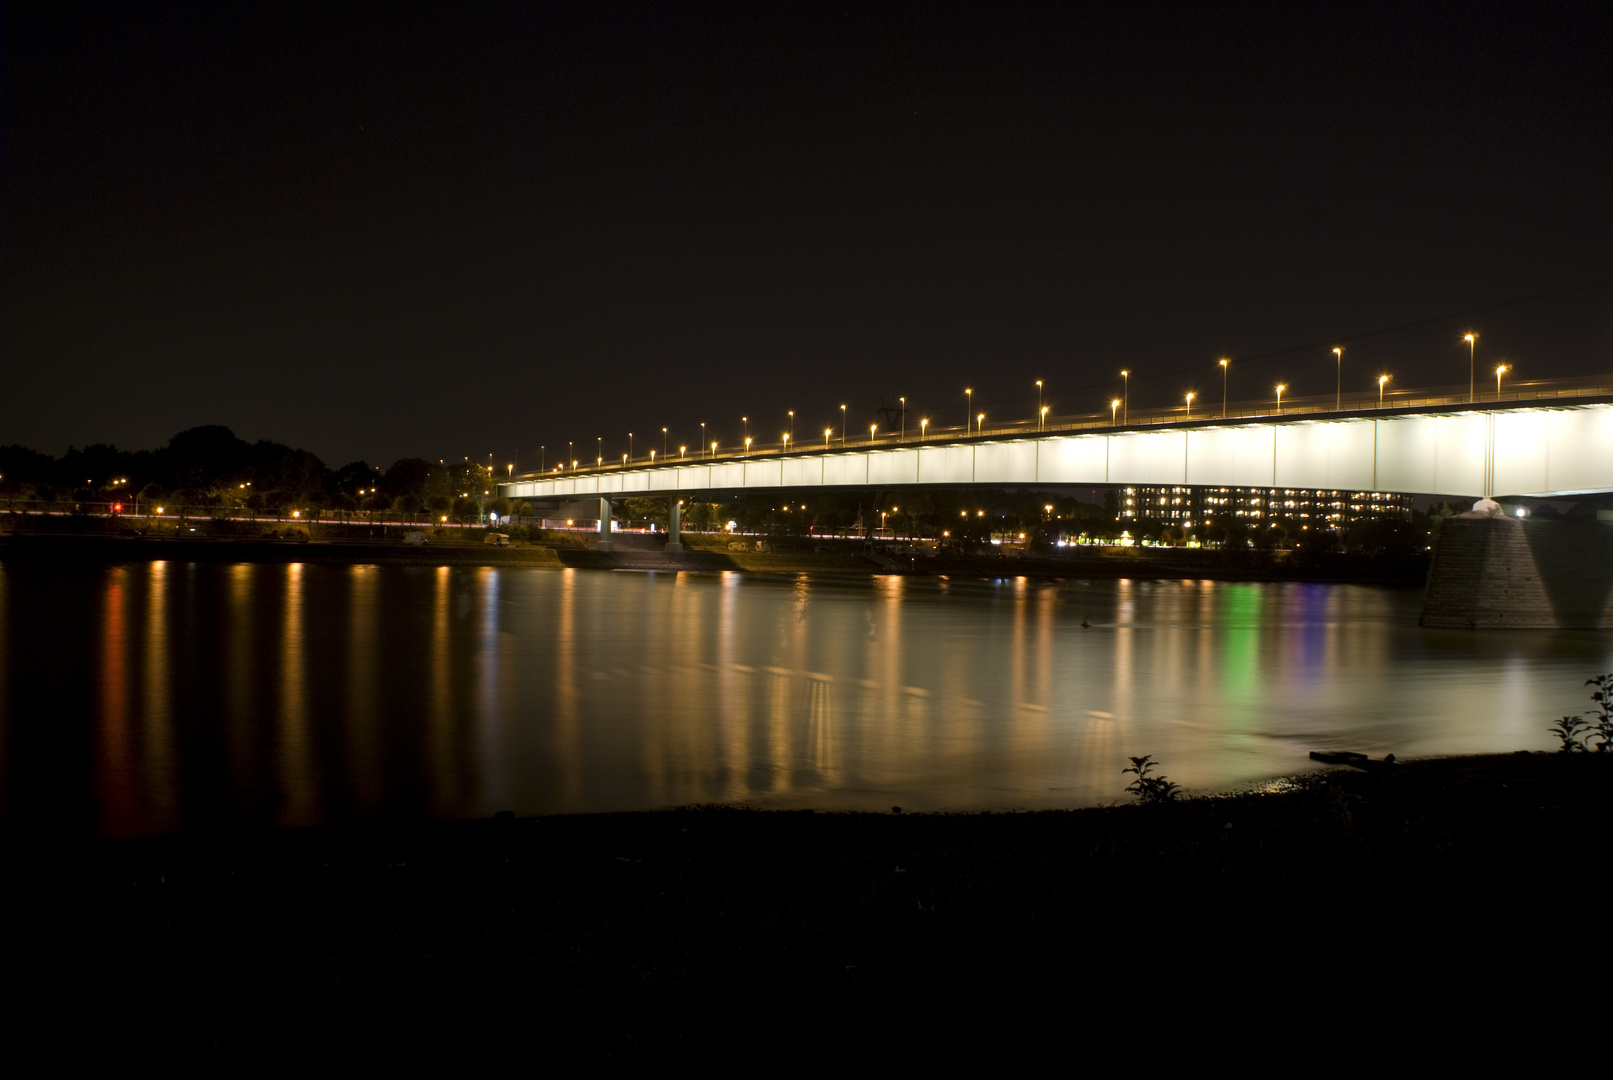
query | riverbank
[644, 554]
[1347, 896]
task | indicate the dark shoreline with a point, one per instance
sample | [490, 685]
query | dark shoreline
[630, 934]
[845, 558]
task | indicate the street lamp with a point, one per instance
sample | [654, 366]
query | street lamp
[842, 425]
[1224, 364]
[786, 442]
[630, 446]
[1114, 412]
[826, 433]
[1039, 396]
[1190, 396]
[663, 442]
[747, 444]
[1471, 340]
[903, 436]
[922, 425]
[980, 423]
[1125, 397]
[968, 407]
[1041, 424]
[871, 429]
[792, 422]
[1338, 391]
[1499, 370]
[1280, 388]
[681, 449]
[1381, 380]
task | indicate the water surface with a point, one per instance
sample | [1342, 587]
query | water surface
[157, 697]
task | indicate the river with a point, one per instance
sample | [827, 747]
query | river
[159, 697]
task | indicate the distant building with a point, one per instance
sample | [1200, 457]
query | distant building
[1191, 505]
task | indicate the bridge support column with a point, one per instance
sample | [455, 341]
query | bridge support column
[1492, 572]
[604, 524]
[674, 524]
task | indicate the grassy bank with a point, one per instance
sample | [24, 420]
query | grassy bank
[604, 937]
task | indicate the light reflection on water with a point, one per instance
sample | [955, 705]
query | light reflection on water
[159, 696]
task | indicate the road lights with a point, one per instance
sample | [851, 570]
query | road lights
[1472, 344]
[1338, 391]
[1280, 388]
[1190, 397]
[1224, 364]
[1381, 380]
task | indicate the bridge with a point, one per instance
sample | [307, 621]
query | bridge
[1557, 442]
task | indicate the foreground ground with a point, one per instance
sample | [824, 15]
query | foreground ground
[1355, 898]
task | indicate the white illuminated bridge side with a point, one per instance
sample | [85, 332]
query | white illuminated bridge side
[1536, 451]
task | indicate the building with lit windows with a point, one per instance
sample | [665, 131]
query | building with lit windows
[1305, 506]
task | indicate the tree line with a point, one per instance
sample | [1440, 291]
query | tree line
[211, 468]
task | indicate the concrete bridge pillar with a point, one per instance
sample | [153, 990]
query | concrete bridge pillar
[604, 524]
[1492, 572]
[674, 525]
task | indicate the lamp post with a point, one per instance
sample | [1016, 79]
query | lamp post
[1471, 340]
[1338, 391]
[1125, 397]
[871, 429]
[568, 454]
[681, 450]
[1114, 412]
[543, 459]
[1224, 364]
[1499, 371]
[826, 433]
[980, 424]
[1190, 396]
[702, 438]
[1381, 380]
[842, 425]
[1041, 424]
[792, 423]
[968, 407]
[630, 446]
[1039, 395]
[1280, 388]
[903, 436]
[922, 425]
[663, 443]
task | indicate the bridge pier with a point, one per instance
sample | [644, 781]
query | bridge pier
[604, 525]
[1492, 572]
[674, 524]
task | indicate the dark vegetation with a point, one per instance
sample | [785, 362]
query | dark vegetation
[1347, 897]
[208, 470]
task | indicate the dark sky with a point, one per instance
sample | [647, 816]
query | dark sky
[452, 229]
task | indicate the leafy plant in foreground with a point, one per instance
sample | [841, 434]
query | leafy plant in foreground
[1150, 789]
[1603, 720]
[1571, 730]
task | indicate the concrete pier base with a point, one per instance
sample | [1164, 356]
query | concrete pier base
[1499, 573]
[604, 543]
[674, 525]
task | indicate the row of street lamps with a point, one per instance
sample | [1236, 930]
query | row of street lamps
[974, 423]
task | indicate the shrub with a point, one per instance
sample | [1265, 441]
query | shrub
[1149, 789]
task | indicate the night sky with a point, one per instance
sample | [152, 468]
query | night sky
[444, 230]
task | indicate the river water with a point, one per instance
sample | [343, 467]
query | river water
[159, 697]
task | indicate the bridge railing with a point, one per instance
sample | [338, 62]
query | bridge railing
[1308, 406]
